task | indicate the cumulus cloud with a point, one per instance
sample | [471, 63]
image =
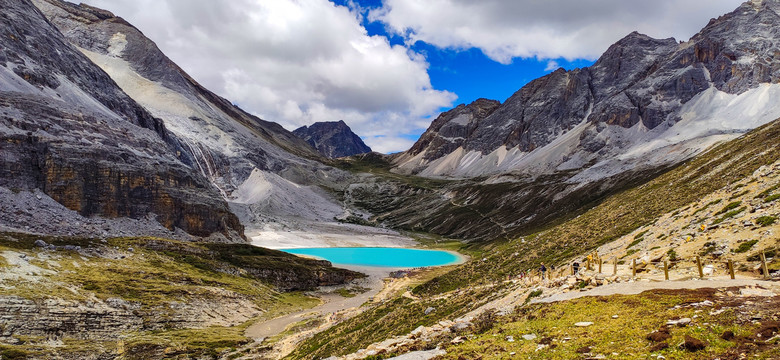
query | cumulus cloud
[550, 29]
[294, 62]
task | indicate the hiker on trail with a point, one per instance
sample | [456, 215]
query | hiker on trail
[575, 267]
[543, 269]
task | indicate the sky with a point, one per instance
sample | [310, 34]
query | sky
[389, 67]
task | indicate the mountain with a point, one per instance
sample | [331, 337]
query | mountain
[271, 179]
[645, 103]
[75, 146]
[333, 139]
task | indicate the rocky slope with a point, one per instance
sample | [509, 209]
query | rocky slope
[69, 133]
[333, 139]
[645, 103]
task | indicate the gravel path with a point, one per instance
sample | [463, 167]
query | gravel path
[331, 303]
[632, 288]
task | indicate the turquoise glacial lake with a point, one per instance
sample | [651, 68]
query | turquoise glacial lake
[379, 257]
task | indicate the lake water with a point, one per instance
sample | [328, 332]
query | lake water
[379, 257]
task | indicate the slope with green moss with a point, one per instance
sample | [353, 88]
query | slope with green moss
[147, 296]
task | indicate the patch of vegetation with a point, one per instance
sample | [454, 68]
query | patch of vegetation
[351, 292]
[768, 192]
[672, 255]
[484, 321]
[708, 248]
[728, 215]
[730, 206]
[379, 165]
[745, 246]
[770, 252]
[629, 253]
[634, 243]
[13, 353]
[713, 202]
[738, 195]
[765, 220]
[533, 294]
[771, 198]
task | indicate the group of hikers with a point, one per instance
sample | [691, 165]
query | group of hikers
[575, 266]
[543, 269]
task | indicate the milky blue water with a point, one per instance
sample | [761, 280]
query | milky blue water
[379, 257]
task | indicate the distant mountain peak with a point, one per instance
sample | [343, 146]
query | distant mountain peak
[332, 139]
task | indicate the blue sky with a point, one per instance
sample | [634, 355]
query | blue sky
[389, 67]
[468, 73]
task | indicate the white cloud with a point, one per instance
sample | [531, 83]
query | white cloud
[550, 29]
[294, 62]
[552, 65]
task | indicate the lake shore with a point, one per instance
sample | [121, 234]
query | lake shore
[331, 234]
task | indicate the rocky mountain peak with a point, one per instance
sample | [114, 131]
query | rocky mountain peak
[634, 94]
[451, 128]
[333, 139]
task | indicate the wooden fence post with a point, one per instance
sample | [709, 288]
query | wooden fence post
[633, 268]
[614, 267]
[763, 265]
[666, 270]
[698, 265]
[731, 269]
[601, 262]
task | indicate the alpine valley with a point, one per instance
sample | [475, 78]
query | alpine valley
[141, 214]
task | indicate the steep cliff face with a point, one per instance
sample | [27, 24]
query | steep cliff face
[333, 139]
[645, 103]
[67, 129]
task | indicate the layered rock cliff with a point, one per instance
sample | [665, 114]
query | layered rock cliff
[68, 130]
[645, 103]
[333, 139]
